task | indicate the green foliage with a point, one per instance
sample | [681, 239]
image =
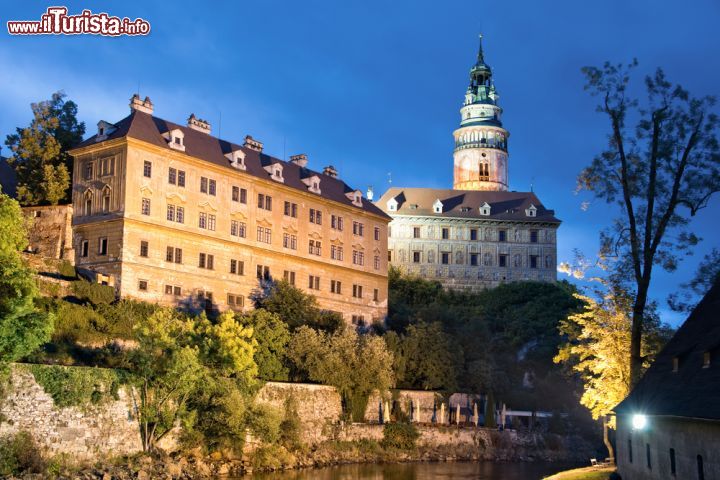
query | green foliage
[122, 316]
[272, 457]
[78, 386]
[291, 427]
[94, 293]
[78, 324]
[40, 157]
[400, 435]
[19, 454]
[297, 308]
[67, 270]
[272, 336]
[264, 422]
[23, 328]
[354, 364]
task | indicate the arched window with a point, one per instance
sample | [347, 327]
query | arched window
[106, 199]
[88, 202]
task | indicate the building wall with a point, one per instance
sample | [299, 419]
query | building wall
[50, 231]
[459, 273]
[126, 227]
[689, 438]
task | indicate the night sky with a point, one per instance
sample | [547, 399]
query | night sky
[375, 87]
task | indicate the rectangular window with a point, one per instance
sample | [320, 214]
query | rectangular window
[647, 455]
[143, 248]
[314, 247]
[178, 255]
[211, 222]
[290, 209]
[213, 187]
[237, 267]
[106, 201]
[146, 206]
[264, 201]
[169, 254]
[264, 235]
[416, 232]
[237, 229]
[174, 290]
[88, 171]
[202, 261]
[88, 206]
[289, 277]
[377, 233]
[235, 194]
[502, 260]
[202, 220]
[473, 234]
[206, 261]
[445, 258]
[502, 235]
[357, 291]
[181, 178]
[142, 285]
[416, 257]
[84, 248]
[172, 176]
[445, 233]
[630, 455]
[171, 212]
[102, 246]
[290, 241]
[243, 195]
[673, 470]
[473, 259]
[376, 262]
[358, 229]
[314, 282]
[107, 166]
[533, 236]
[336, 252]
[376, 295]
[315, 216]
[358, 257]
[180, 214]
[235, 301]
[203, 185]
[263, 272]
[147, 169]
[358, 320]
[336, 287]
[336, 222]
[533, 261]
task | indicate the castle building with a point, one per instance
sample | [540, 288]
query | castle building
[478, 234]
[168, 213]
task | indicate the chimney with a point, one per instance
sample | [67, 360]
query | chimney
[145, 106]
[300, 160]
[253, 144]
[198, 124]
[330, 171]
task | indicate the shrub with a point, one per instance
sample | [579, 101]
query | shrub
[400, 435]
[78, 323]
[272, 457]
[290, 427]
[94, 293]
[264, 422]
[67, 270]
[123, 315]
[77, 386]
[19, 454]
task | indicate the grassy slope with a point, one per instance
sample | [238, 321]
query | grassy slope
[587, 473]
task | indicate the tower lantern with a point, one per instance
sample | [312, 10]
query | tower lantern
[480, 156]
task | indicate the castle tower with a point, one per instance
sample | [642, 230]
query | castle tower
[480, 156]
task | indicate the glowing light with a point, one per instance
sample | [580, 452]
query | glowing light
[639, 421]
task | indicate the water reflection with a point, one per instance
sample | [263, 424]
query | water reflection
[424, 471]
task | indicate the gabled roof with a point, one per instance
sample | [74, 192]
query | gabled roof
[466, 204]
[8, 179]
[692, 391]
[147, 128]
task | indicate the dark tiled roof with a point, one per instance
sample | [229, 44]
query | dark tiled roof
[8, 179]
[145, 127]
[692, 391]
[466, 204]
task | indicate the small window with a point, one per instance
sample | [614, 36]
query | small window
[143, 248]
[416, 232]
[212, 190]
[145, 206]
[533, 236]
[377, 233]
[147, 169]
[474, 259]
[445, 258]
[376, 295]
[335, 286]
[314, 282]
[84, 248]
[289, 277]
[357, 291]
[143, 285]
[700, 468]
[502, 260]
[533, 261]
[416, 257]
[630, 453]
[647, 455]
[502, 235]
[172, 176]
[672, 462]
[203, 185]
[445, 233]
[706, 360]
[102, 246]
[473, 234]
[675, 364]
[376, 262]
[181, 178]
[235, 194]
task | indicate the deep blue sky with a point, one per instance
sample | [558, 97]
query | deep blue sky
[375, 87]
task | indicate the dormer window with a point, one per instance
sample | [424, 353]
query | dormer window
[485, 209]
[313, 184]
[104, 129]
[237, 159]
[275, 170]
[355, 197]
[176, 139]
[392, 205]
[531, 211]
[438, 206]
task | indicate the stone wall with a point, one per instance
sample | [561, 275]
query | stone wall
[50, 231]
[407, 400]
[85, 434]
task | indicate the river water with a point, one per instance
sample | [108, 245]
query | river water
[424, 471]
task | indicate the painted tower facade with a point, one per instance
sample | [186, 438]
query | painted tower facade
[480, 156]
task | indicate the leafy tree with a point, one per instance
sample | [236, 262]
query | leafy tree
[297, 308]
[661, 167]
[426, 357]
[598, 340]
[272, 336]
[23, 328]
[40, 157]
[707, 273]
[186, 366]
[354, 364]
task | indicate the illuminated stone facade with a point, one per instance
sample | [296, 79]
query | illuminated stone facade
[170, 214]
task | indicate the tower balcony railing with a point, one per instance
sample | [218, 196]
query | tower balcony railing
[476, 144]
